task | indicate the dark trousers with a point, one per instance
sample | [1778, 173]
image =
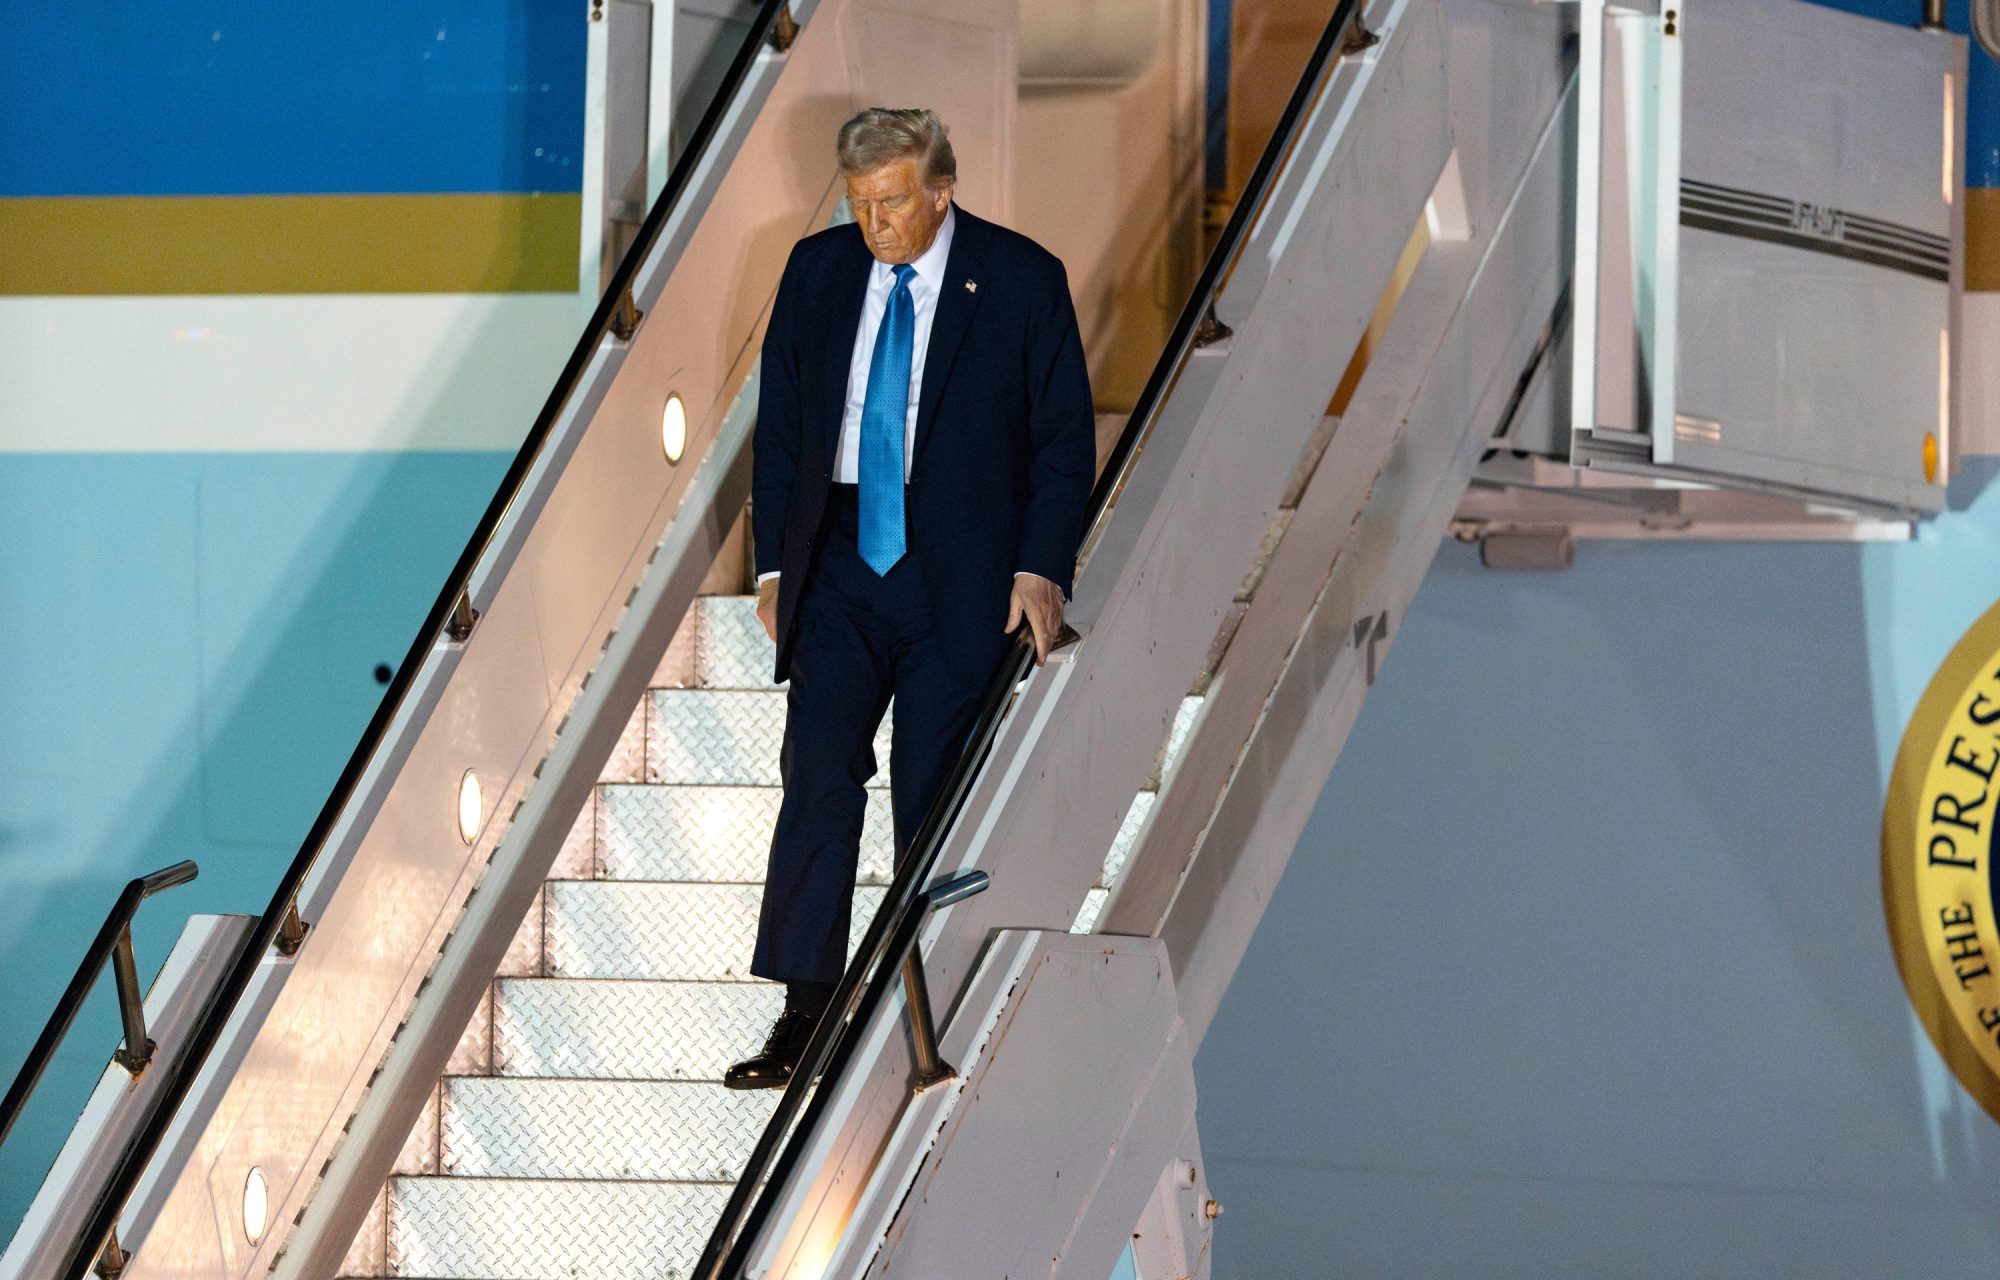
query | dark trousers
[861, 639]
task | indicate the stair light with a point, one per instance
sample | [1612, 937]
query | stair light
[256, 1205]
[468, 806]
[674, 428]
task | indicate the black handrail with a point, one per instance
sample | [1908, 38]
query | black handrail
[109, 935]
[773, 24]
[893, 931]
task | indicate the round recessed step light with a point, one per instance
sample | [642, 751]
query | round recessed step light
[256, 1205]
[469, 802]
[674, 428]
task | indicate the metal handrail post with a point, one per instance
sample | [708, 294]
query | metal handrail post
[112, 1259]
[932, 1069]
[138, 1050]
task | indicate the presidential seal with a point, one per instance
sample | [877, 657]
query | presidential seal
[1937, 860]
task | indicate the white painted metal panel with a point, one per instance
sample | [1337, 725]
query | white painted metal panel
[1516, 118]
[1466, 389]
[1086, 1072]
[1770, 251]
[1799, 364]
[1175, 1233]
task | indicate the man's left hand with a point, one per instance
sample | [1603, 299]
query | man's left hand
[1041, 603]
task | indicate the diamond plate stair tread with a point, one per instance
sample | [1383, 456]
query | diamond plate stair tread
[1127, 837]
[660, 1130]
[712, 833]
[1177, 736]
[605, 1070]
[731, 650]
[518, 1229]
[697, 932]
[729, 737]
[1087, 914]
[582, 1029]
[722, 834]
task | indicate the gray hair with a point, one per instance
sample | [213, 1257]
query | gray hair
[881, 134]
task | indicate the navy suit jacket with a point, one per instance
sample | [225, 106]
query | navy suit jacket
[1005, 449]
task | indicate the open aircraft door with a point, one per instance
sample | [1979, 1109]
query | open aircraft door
[1768, 280]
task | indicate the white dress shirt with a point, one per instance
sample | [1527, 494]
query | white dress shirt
[925, 286]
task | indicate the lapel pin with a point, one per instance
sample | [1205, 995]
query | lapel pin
[971, 287]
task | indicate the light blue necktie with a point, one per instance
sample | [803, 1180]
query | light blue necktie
[884, 413]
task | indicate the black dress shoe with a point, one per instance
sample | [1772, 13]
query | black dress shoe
[772, 1069]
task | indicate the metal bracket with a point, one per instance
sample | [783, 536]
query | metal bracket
[625, 319]
[1358, 38]
[138, 1048]
[1211, 330]
[1370, 632]
[459, 625]
[291, 931]
[784, 30]
[112, 1259]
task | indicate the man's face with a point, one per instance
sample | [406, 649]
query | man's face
[897, 216]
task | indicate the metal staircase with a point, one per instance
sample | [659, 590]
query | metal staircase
[580, 1128]
[523, 1022]
[542, 1095]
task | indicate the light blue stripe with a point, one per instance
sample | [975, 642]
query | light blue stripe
[188, 662]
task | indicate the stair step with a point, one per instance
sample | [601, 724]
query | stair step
[1177, 736]
[582, 1029]
[722, 834]
[602, 1145]
[728, 737]
[657, 1130]
[731, 650]
[714, 833]
[689, 932]
[521, 1229]
[1127, 837]
[1093, 907]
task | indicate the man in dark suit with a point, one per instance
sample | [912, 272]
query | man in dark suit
[924, 454]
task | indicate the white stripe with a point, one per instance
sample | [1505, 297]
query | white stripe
[286, 373]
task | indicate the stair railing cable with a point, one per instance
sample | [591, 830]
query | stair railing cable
[870, 977]
[451, 617]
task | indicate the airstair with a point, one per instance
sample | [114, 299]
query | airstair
[480, 1031]
[584, 1096]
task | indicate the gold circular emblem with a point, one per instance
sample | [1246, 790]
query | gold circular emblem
[1937, 856]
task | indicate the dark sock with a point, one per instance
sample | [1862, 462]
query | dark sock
[809, 998]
